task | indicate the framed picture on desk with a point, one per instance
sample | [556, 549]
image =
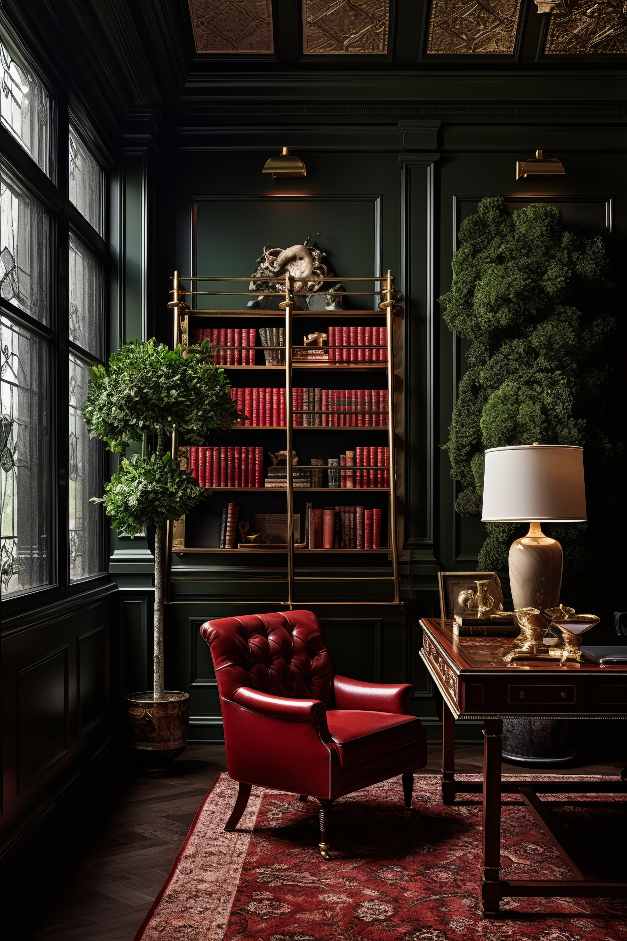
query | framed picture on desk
[458, 589]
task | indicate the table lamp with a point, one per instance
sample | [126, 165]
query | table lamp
[535, 484]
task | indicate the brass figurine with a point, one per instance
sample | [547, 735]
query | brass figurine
[532, 623]
[572, 627]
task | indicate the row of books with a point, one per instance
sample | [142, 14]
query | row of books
[226, 466]
[358, 344]
[362, 467]
[340, 408]
[231, 346]
[343, 527]
[273, 342]
[228, 526]
[260, 407]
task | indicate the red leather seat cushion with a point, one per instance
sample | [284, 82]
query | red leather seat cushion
[363, 737]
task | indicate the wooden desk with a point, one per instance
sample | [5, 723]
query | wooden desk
[475, 683]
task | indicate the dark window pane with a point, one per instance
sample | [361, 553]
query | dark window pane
[86, 182]
[25, 105]
[86, 298]
[85, 481]
[25, 460]
[24, 249]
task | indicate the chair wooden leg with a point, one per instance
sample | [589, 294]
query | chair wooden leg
[408, 788]
[324, 814]
[243, 794]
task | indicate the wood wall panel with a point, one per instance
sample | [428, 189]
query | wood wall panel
[42, 716]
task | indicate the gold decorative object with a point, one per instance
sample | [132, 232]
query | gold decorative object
[547, 6]
[457, 27]
[539, 166]
[572, 627]
[532, 623]
[285, 166]
[341, 27]
[578, 27]
[232, 26]
[486, 603]
[303, 264]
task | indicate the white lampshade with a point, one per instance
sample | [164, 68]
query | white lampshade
[528, 482]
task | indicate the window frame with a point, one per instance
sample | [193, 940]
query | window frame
[53, 193]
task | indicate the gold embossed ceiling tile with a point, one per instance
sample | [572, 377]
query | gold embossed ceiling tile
[462, 27]
[336, 27]
[583, 27]
[232, 26]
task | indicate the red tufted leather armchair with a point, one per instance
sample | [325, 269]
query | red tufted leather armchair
[291, 724]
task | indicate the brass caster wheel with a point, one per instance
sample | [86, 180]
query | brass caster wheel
[324, 851]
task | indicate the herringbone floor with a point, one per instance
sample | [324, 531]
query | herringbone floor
[96, 878]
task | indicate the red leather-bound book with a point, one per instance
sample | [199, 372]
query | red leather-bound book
[331, 344]
[386, 467]
[237, 343]
[276, 406]
[229, 466]
[255, 407]
[202, 480]
[346, 340]
[368, 344]
[237, 467]
[258, 467]
[352, 339]
[230, 344]
[361, 339]
[221, 346]
[252, 460]
[377, 517]
[328, 527]
[350, 473]
[359, 460]
[232, 514]
[342, 470]
[384, 344]
[367, 529]
[214, 479]
[370, 455]
[324, 408]
[263, 407]
[282, 409]
[213, 339]
[208, 466]
[248, 406]
[244, 468]
[252, 337]
[193, 462]
[359, 527]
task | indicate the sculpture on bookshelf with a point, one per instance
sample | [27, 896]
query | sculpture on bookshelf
[314, 349]
[305, 263]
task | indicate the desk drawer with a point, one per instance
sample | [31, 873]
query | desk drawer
[546, 695]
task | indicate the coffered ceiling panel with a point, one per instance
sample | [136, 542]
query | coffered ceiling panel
[468, 27]
[586, 27]
[232, 26]
[335, 27]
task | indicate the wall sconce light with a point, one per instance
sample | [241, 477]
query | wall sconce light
[547, 6]
[539, 166]
[285, 166]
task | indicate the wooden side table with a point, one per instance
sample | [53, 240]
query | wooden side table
[476, 684]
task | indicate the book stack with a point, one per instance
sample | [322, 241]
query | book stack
[363, 467]
[260, 408]
[273, 342]
[343, 527]
[231, 346]
[228, 526]
[226, 467]
[340, 408]
[276, 478]
[358, 345]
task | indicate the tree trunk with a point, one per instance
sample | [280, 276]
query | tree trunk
[157, 660]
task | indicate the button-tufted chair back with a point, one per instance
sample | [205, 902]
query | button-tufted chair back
[281, 653]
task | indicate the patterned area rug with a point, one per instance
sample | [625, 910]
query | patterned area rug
[395, 876]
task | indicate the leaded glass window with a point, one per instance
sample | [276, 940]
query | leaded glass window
[85, 482]
[86, 181]
[86, 298]
[24, 249]
[25, 460]
[25, 105]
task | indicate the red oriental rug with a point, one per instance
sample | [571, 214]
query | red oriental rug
[411, 878]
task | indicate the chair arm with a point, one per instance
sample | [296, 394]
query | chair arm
[373, 697]
[283, 707]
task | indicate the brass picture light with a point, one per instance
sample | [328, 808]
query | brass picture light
[285, 166]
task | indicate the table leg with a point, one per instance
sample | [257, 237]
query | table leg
[448, 755]
[490, 886]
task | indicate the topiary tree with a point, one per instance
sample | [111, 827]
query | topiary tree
[145, 393]
[528, 298]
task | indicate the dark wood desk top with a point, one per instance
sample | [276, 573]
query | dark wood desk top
[477, 684]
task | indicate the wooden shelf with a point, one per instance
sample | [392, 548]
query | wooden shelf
[272, 314]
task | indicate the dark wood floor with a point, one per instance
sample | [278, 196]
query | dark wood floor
[95, 878]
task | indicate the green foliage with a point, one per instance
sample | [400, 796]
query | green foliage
[527, 296]
[146, 491]
[144, 394]
[149, 388]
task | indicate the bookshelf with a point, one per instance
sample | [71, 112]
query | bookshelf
[345, 401]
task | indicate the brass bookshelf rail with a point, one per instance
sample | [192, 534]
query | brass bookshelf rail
[381, 288]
